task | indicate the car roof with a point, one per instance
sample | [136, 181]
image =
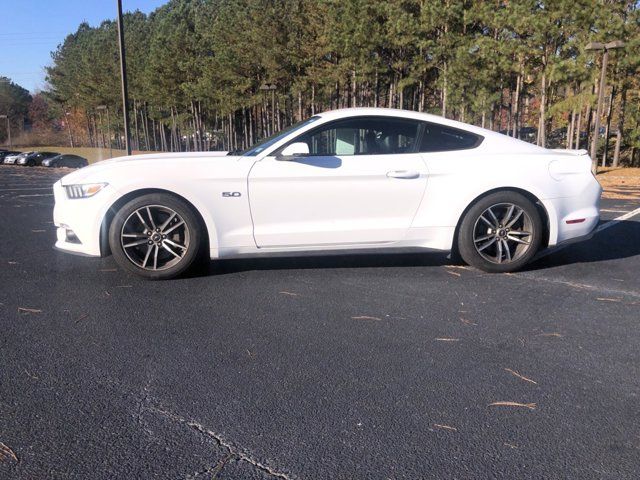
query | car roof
[410, 114]
[426, 117]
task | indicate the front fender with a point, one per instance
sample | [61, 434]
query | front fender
[125, 194]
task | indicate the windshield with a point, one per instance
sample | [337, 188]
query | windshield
[265, 143]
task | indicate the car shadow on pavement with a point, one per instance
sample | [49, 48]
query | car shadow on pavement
[324, 261]
[621, 240]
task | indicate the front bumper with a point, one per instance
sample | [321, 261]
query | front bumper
[79, 221]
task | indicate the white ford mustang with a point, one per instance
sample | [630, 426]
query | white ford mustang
[348, 179]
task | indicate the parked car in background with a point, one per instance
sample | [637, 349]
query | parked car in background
[557, 138]
[65, 160]
[5, 153]
[12, 159]
[528, 134]
[34, 159]
[584, 141]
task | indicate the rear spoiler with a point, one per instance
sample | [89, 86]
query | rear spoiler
[575, 153]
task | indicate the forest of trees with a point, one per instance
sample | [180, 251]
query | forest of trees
[219, 74]
[14, 103]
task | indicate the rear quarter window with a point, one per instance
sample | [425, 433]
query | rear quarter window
[440, 138]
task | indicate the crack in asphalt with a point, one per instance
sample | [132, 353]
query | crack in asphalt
[233, 451]
[215, 470]
[142, 406]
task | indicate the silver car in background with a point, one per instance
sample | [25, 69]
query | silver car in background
[13, 159]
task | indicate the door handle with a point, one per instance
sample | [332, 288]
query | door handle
[403, 174]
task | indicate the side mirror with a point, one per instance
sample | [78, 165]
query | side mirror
[297, 149]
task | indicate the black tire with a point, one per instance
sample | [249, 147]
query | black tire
[31, 163]
[481, 245]
[190, 232]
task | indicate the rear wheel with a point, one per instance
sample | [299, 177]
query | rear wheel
[500, 233]
[157, 236]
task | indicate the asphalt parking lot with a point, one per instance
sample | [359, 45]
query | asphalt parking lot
[391, 366]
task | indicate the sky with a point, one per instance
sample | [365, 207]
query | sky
[32, 29]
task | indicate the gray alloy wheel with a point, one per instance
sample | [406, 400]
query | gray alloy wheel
[500, 233]
[157, 236]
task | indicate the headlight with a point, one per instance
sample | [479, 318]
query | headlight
[85, 190]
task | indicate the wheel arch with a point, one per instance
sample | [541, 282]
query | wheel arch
[208, 228]
[542, 209]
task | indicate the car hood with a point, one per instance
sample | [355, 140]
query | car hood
[122, 166]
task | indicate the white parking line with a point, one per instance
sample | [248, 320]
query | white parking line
[613, 211]
[20, 189]
[17, 185]
[617, 220]
[37, 195]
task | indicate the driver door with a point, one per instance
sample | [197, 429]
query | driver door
[361, 183]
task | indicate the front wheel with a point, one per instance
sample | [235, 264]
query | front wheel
[500, 233]
[157, 236]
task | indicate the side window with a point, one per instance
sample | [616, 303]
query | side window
[440, 138]
[362, 136]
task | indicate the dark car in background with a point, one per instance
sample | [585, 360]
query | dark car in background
[66, 160]
[35, 159]
[6, 153]
[528, 134]
[557, 138]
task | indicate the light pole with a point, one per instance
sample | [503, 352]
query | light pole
[605, 47]
[272, 88]
[104, 107]
[8, 128]
[66, 116]
[123, 78]
[101, 127]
